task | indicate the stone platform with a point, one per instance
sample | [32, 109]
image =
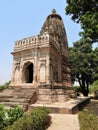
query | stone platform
[71, 106]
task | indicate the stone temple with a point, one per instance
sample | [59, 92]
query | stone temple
[41, 70]
[42, 61]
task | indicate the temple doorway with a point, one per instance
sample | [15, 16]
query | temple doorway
[28, 72]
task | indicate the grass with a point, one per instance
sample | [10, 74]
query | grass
[88, 120]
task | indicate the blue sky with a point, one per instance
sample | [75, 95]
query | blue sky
[24, 18]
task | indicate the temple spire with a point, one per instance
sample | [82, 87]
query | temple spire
[53, 11]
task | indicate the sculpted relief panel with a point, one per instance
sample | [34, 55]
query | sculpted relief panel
[54, 68]
[42, 73]
[16, 71]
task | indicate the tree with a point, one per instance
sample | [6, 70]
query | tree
[85, 12]
[95, 76]
[84, 63]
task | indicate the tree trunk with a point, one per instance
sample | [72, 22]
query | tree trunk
[84, 85]
[84, 90]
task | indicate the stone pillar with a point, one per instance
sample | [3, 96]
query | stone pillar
[35, 74]
[48, 68]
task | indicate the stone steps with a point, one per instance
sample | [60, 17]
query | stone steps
[6, 96]
[21, 96]
[9, 105]
[21, 100]
[21, 87]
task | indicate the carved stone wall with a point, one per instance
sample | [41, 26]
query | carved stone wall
[55, 65]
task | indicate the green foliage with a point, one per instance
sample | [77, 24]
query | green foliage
[84, 60]
[94, 86]
[8, 117]
[2, 117]
[15, 113]
[84, 64]
[39, 117]
[24, 123]
[77, 88]
[95, 83]
[4, 86]
[88, 120]
[95, 63]
[36, 120]
[85, 13]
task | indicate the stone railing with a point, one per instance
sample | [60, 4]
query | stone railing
[31, 42]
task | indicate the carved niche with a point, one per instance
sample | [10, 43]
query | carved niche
[42, 73]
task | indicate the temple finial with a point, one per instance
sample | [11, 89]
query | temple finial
[54, 11]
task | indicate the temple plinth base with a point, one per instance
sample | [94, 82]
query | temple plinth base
[57, 93]
[71, 106]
